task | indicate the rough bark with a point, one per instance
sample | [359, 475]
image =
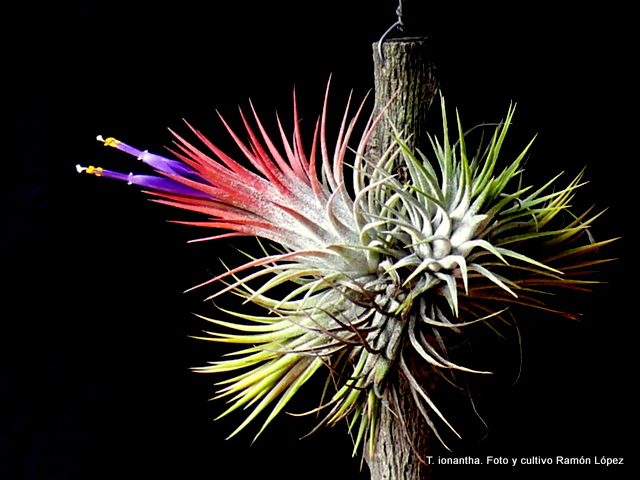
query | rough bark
[405, 85]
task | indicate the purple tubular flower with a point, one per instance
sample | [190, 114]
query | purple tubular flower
[165, 166]
[151, 182]
[157, 162]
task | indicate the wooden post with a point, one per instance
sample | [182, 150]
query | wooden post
[406, 77]
[405, 81]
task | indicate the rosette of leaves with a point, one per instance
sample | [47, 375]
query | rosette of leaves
[373, 271]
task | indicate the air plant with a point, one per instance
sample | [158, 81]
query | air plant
[375, 270]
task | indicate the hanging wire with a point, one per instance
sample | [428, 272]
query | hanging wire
[399, 24]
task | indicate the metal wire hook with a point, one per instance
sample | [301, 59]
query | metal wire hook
[399, 24]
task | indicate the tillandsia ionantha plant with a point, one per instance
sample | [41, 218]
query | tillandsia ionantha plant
[375, 270]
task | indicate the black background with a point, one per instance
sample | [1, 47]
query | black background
[94, 335]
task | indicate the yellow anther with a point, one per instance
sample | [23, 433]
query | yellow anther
[111, 142]
[97, 171]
